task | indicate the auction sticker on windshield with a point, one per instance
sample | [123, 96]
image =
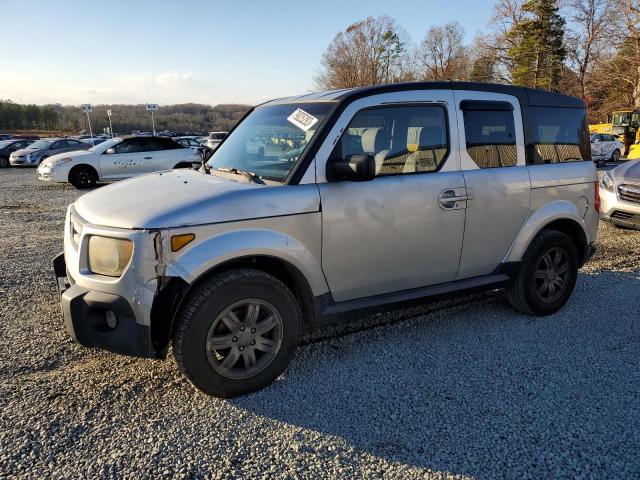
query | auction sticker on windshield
[302, 119]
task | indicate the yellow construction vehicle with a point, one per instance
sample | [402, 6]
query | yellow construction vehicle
[625, 124]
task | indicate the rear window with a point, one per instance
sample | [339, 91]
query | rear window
[490, 136]
[556, 135]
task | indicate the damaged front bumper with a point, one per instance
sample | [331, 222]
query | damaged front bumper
[100, 319]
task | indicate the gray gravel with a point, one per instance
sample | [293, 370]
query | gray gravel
[463, 390]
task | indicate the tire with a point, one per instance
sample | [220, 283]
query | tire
[4, 162]
[199, 324]
[524, 291]
[83, 176]
[615, 155]
[42, 159]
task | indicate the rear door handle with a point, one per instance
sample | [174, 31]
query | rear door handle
[454, 198]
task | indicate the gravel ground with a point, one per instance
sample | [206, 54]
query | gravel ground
[462, 390]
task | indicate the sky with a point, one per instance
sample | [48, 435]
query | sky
[166, 52]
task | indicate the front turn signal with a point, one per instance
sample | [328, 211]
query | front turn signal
[180, 241]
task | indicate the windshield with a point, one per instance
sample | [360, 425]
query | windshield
[271, 139]
[4, 143]
[41, 144]
[102, 146]
[621, 119]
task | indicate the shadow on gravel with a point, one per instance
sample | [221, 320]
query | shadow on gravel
[483, 392]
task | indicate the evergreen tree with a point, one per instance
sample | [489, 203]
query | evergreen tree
[537, 55]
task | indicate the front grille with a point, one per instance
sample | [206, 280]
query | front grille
[629, 193]
[75, 228]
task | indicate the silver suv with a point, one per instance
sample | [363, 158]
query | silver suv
[360, 199]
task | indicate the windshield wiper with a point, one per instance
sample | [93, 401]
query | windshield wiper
[249, 175]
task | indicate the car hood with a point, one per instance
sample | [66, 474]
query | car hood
[182, 197]
[74, 154]
[25, 151]
[629, 170]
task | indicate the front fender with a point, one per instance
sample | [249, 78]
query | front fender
[550, 212]
[249, 242]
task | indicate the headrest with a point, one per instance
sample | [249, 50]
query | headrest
[368, 140]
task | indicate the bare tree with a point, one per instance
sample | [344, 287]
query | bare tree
[442, 54]
[369, 52]
[588, 38]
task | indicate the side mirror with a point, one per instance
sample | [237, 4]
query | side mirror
[110, 151]
[354, 167]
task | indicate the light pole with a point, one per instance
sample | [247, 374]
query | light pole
[152, 107]
[110, 126]
[86, 108]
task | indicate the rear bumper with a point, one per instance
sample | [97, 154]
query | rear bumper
[100, 319]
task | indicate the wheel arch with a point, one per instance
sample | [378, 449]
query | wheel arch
[561, 216]
[174, 290]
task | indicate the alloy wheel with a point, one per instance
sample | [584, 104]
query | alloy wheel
[244, 338]
[552, 274]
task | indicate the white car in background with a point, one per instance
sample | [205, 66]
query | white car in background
[605, 146]
[116, 159]
[215, 138]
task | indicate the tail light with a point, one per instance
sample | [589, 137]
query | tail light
[596, 197]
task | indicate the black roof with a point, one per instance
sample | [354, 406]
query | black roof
[526, 96]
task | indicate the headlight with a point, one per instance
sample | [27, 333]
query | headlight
[109, 256]
[607, 182]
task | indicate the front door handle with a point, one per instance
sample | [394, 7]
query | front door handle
[454, 198]
[148, 158]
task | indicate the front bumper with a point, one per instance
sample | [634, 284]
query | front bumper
[617, 211]
[23, 162]
[86, 317]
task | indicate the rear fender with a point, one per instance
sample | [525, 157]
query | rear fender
[556, 210]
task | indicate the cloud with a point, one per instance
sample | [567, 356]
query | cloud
[123, 87]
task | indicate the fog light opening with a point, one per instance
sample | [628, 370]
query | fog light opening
[111, 319]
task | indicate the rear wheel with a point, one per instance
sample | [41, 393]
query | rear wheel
[83, 176]
[615, 155]
[4, 162]
[236, 332]
[547, 275]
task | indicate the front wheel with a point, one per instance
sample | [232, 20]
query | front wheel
[615, 155]
[236, 332]
[83, 177]
[4, 162]
[547, 275]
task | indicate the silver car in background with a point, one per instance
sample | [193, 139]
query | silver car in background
[620, 195]
[40, 150]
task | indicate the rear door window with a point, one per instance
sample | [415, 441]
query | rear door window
[490, 133]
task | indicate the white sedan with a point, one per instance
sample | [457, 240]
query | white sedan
[605, 147]
[116, 159]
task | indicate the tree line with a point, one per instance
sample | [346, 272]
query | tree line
[190, 117]
[585, 48]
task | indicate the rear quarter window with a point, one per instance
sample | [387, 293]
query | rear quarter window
[556, 135]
